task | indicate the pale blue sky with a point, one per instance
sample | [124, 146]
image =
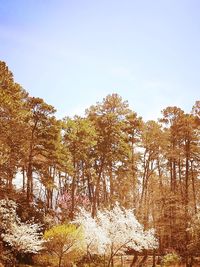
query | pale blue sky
[73, 53]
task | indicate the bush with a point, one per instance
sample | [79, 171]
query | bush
[43, 260]
[170, 260]
[46, 260]
[64, 244]
[94, 261]
[6, 257]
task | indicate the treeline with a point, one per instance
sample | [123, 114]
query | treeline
[110, 155]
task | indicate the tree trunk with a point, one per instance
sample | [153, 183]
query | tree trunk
[141, 263]
[193, 189]
[73, 189]
[29, 186]
[24, 179]
[154, 259]
[60, 261]
[122, 261]
[187, 148]
[97, 189]
[191, 261]
[134, 259]
[111, 185]
[73, 198]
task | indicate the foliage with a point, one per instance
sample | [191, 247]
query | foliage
[65, 202]
[92, 261]
[63, 243]
[170, 259]
[12, 124]
[6, 256]
[8, 214]
[110, 154]
[194, 235]
[43, 259]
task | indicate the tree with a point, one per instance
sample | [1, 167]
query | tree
[24, 238]
[95, 237]
[133, 128]
[194, 235]
[112, 149]
[65, 201]
[182, 161]
[38, 139]
[79, 138]
[62, 241]
[118, 230]
[21, 237]
[149, 169]
[8, 214]
[13, 115]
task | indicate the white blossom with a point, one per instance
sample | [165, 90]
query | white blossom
[7, 213]
[94, 235]
[22, 237]
[113, 231]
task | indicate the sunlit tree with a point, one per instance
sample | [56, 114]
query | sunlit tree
[63, 241]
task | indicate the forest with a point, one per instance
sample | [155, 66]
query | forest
[87, 190]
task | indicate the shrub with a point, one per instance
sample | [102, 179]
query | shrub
[64, 244]
[6, 257]
[43, 260]
[170, 259]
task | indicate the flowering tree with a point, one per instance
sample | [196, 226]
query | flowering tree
[7, 214]
[95, 237]
[22, 237]
[113, 231]
[65, 202]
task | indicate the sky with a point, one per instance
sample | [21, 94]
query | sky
[73, 53]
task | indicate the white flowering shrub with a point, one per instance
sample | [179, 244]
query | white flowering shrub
[24, 238]
[113, 231]
[95, 237]
[21, 237]
[7, 214]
